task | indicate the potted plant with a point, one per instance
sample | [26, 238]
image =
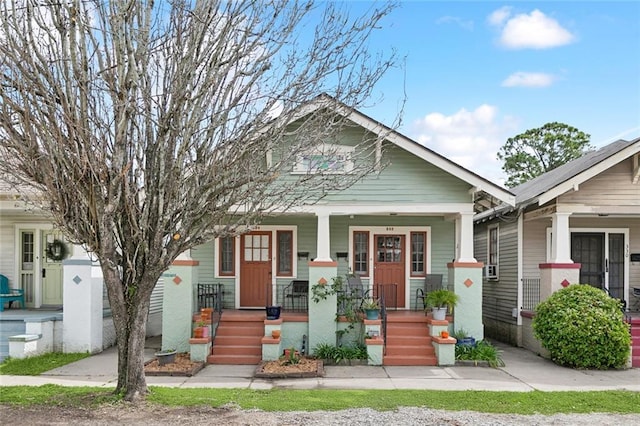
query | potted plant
[201, 330]
[371, 308]
[166, 356]
[463, 338]
[273, 312]
[441, 301]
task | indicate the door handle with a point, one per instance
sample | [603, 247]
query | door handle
[44, 273]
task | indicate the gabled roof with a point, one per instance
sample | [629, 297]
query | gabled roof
[496, 193]
[556, 182]
[569, 176]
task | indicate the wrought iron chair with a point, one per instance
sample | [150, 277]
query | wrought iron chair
[297, 290]
[431, 282]
[354, 293]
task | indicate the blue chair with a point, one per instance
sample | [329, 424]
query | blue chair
[10, 295]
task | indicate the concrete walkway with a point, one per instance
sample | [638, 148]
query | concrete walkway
[524, 372]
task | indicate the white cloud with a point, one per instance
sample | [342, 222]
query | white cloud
[529, 79]
[498, 17]
[462, 23]
[532, 31]
[468, 138]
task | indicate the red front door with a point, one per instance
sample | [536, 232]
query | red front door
[389, 269]
[255, 270]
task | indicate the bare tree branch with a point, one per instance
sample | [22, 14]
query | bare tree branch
[147, 128]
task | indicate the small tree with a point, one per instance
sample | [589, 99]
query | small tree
[582, 327]
[147, 128]
[537, 151]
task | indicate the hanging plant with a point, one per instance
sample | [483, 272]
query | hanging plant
[56, 251]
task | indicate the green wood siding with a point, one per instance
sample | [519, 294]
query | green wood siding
[442, 247]
[405, 179]
[205, 255]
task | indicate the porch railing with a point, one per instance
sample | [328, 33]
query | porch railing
[211, 296]
[383, 317]
[388, 292]
[530, 293]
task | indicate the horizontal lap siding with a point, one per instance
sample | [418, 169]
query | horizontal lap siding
[7, 248]
[534, 246]
[499, 297]
[613, 187]
[205, 255]
[405, 179]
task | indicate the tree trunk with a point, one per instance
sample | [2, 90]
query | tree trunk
[130, 321]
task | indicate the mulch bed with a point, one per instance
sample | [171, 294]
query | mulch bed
[307, 367]
[183, 366]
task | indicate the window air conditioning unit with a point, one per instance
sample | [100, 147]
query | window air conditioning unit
[491, 272]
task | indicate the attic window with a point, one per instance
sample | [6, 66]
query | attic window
[329, 159]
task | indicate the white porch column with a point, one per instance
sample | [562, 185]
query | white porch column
[82, 318]
[464, 238]
[560, 238]
[323, 240]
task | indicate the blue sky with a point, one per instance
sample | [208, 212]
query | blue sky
[477, 73]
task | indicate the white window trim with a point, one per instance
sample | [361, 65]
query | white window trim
[346, 152]
[497, 264]
[269, 228]
[36, 228]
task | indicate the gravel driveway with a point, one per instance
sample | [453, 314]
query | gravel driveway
[146, 414]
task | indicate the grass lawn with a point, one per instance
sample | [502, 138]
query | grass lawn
[36, 365]
[535, 402]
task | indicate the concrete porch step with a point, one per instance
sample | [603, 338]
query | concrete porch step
[410, 351]
[395, 340]
[234, 359]
[247, 329]
[402, 360]
[237, 350]
[408, 341]
[238, 339]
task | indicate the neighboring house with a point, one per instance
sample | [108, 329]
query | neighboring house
[28, 258]
[578, 223]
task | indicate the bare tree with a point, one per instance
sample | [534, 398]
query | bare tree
[147, 128]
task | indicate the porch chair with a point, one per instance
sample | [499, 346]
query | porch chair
[432, 282]
[296, 290]
[9, 294]
[354, 293]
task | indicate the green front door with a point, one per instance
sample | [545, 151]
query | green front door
[51, 269]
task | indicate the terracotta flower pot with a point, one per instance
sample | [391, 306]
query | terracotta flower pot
[275, 334]
[198, 332]
[444, 334]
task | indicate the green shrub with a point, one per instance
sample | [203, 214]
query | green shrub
[481, 351]
[339, 353]
[582, 327]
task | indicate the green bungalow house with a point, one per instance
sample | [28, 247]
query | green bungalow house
[398, 226]
[579, 223]
[412, 219]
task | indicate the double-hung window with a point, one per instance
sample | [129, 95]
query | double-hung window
[418, 254]
[226, 261]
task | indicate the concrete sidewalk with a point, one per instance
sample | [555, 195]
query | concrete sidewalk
[524, 371]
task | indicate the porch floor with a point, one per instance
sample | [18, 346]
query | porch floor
[31, 314]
